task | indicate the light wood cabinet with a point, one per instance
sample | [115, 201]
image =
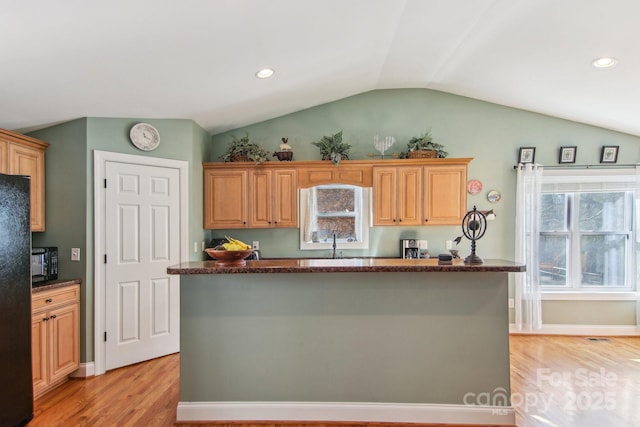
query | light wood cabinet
[397, 195]
[55, 337]
[274, 198]
[445, 195]
[22, 155]
[351, 172]
[240, 197]
[226, 198]
[420, 195]
[406, 192]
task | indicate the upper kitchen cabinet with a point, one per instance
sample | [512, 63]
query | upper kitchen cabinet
[397, 195]
[353, 172]
[420, 192]
[250, 197]
[23, 155]
[225, 198]
[445, 197]
[274, 198]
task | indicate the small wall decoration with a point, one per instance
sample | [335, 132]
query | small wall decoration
[609, 154]
[567, 154]
[494, 196]
[527, 155]
[474, 186]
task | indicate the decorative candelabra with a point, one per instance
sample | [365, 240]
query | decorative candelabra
[474, 224]
[383, 145]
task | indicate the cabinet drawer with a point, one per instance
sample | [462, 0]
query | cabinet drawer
[55, 297]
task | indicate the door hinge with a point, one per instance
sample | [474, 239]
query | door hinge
[105, 183]
[105, 258]
[105, 336]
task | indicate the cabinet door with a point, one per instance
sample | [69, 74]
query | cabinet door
[39, 355]
[285, 194]
[225, 198]
[409, 196]
[64, 333]
[260, 215]
[445, 197]
[30, 161]
[384, 196]
[4, 159]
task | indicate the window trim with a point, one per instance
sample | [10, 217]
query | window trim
[365, 219]
[590, 181]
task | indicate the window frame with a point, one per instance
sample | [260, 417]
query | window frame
[573, 183]
[362, 213]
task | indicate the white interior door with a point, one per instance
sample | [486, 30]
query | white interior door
[142, 238]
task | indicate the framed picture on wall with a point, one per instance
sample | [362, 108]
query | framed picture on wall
[567, 154]
[609, 154]
[527, 155]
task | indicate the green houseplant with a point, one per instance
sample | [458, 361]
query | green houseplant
[243, 150]
[333, 148]
[423, 147]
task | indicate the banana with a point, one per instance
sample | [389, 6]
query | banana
[237, 244]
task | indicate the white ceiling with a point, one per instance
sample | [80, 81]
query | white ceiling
[64, 59]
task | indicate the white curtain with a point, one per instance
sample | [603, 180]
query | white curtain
[637, 243]
[528, 314]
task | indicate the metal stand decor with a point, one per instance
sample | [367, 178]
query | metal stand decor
[474, 224]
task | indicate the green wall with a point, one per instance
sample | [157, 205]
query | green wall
[69, 191]
[490, 133]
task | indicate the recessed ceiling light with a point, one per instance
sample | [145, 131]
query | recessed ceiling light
[604, 62]
[265, 73]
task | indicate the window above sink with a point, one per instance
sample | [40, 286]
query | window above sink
[335, 209]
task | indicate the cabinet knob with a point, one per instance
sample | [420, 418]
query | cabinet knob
[53, 316]
[426, 220]
[45, 319]
[48, 300]
[400, 220]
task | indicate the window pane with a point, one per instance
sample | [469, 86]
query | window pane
[343, 227]
[603, 260]
[335, 200]
[602, 211]
[553, 260]
[554, 212]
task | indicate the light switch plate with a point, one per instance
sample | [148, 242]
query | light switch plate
[75, 254]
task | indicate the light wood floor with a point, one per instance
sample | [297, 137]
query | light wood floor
[556, 381]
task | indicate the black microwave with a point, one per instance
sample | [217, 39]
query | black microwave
[44, 264]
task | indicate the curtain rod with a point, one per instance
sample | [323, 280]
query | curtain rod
[598, 166]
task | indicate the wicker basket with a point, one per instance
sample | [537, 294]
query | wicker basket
[422, 154]
[240, 158]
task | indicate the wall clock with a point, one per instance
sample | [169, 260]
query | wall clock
[144, 136]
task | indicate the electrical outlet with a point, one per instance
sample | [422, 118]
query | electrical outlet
[512, 303]
[203, 246]
[75, 254]
[449, 244]
[195, 247]
[256, 245]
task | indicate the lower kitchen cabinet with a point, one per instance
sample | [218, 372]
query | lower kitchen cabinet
[55, 336]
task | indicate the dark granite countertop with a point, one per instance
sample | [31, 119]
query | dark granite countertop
[345, 265]
[53, 284]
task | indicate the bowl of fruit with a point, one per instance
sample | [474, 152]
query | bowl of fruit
[230, 254]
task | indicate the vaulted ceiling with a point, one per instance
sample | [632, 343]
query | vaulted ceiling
[197, 59]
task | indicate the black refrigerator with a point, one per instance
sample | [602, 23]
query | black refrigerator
[16, 387]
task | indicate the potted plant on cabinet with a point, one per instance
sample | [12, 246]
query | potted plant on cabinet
[332, 148]
[243, 150]
[423, 147]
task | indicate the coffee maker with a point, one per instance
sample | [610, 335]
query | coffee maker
[413, 248]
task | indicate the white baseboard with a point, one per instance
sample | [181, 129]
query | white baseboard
[85, 370]
[580, 330]
[344, 412]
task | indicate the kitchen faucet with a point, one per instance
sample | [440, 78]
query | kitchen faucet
[334, 245]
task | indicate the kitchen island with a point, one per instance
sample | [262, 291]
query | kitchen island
[379, 340]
